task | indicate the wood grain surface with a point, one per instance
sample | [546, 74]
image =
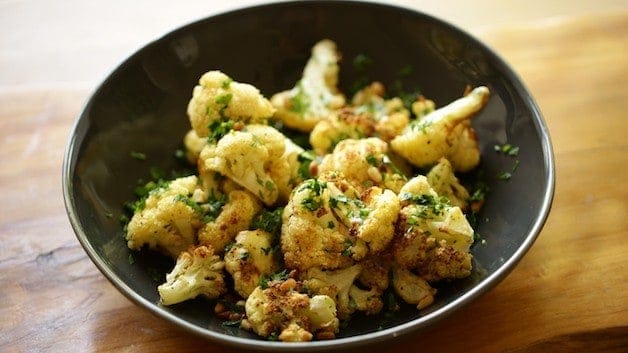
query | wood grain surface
[568, 294]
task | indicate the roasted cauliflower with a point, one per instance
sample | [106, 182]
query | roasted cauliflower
[412, 288]
[282, 312]
[254, 158]
[197, 272]
[364, 163]
[445, 183]
[249, 259]
[341, 286]
[444, 132]
[292, 237]
[316, 94]
[328, 224]
[218, 103]
[236, 215]
[168, 219]
[433, 238]
[390, 115]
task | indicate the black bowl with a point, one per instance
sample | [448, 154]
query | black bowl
[141, 106]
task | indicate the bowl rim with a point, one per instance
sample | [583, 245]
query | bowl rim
[486, 284]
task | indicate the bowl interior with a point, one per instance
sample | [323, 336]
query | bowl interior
[141, 106]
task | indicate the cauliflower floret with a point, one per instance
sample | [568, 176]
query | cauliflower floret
[445, 183]
[281, 310]
[218, 99]
[254, 158]
[345, 123]
[364, 163]
[193, 146]
[335, 284]
[197, 272]
[328, 224]
[390, 116]
[310, 234]
[445, 132]
[368, 301]
[168, 219]
[378, 226]
[237, 213]
[250, 258]
[412, 288]
[433, 238]
[375, 270]
[316, 94]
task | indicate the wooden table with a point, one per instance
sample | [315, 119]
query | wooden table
[569, 293]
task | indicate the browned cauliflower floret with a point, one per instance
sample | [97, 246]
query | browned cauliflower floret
[328, 224]
[250, 258]
[364, 163]
[433, 238]
[345, 123]
[445, 183]
[197, 272]
[218, 102]
[335, 284]
[280, 310]
[445, 132]
[311, 236]
[255, 158]
[168, 219]
[340, 285]
[237, 213]
[390, 115]
[412, 288]
[316, 94]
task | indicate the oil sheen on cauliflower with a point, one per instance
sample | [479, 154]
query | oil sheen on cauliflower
[433, 238]
[168, 220]
[218, 101]
[280, 311]
[445, 132]
[197, 272]
[316, 94]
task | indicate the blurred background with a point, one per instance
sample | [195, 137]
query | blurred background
[77, 43]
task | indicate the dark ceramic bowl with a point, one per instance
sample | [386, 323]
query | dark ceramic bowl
[141, 106]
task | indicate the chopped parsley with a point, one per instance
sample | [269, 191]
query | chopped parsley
[213, 207]
[305, 159]
[429, 205]
[223, 99]
[372, 160]
[362, 62]
[507, 175]
[218, 129]
[348, 248]
[507, 149]
[226, 83]
[282, 275]
[138, 155]
[269, 221]
[300, 101]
